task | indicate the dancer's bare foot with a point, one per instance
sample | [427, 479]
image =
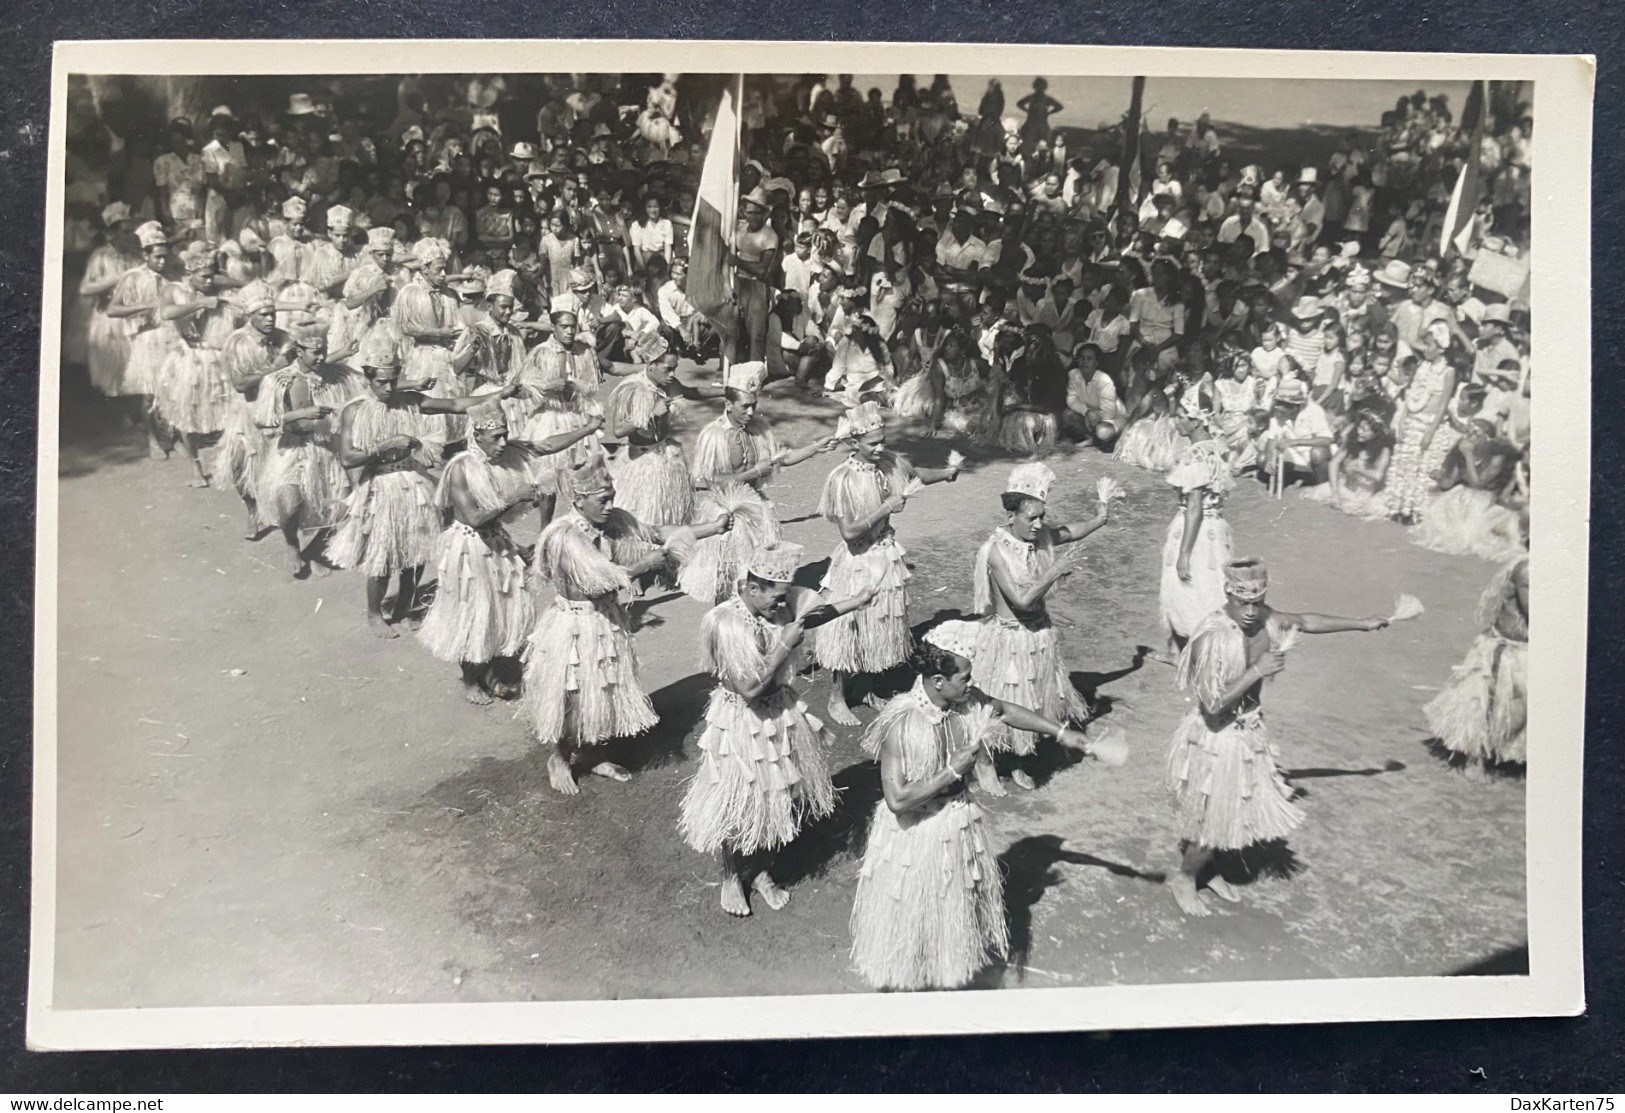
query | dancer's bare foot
[382, 629]
[770, 891]
[612, 771]
[156, 451]
[733, 898]
[1224, 890]
[198, 482]
[1021, 779]
[319, 570]
[254, 530]
[874, 701]
[476, 694]
[840, 713]
[294, 561]
[561, 776]
[1183, 886]
[1474, 770]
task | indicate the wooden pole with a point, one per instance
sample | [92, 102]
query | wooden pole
[1131, 147]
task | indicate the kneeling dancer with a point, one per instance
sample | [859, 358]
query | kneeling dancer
[1227, 792]
[762, 771]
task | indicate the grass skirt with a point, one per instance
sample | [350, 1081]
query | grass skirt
[194, 392]
[307, 474]
[652, 484]
[481, 607]
[1152, 443]
[872, 638]
[1185, 605]
[761, 774]
[1480, 710]
[554, 468]
[1227, 792]
[581, 675]
[712, 573]
[143, 371]
[917, 399]
[432, 363]
[390, 523]
[242, 449]
[929, 911]
[109, 351]
[1357, 503]
[1025, 431]
[1024, 667]
[1467, 522]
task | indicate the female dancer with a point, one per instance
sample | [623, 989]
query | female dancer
[1198, 542]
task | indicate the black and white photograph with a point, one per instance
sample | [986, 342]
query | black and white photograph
[805, 553]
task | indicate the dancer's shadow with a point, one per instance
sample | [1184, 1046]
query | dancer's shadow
[812, 575]
[842, 832]
[1089, 684]
[1273, 859]
[680, 705]
[640, 612]
[1293, 776]
[1048, 758]
[1029, 870]
[798, 519]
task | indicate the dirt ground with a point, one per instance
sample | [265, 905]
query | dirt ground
[262, 804]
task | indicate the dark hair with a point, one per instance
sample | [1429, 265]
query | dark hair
[1014, 500]
[931, 660]
[757, 582]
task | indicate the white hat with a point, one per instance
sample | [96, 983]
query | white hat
[592, 476]
[746, 378]
[382, 236]
[151, 234]
[1395, 273]
[1308, 308]
[339, 218]
[380, 350]
[116, 213]
[501, 283]
[863, 418]
[1033, 480]
[430, 250]
[776, 561]
[1499, 312]
[522, 152]
[294, 208]
[1308, 176]
[300, 104]
[955, 636]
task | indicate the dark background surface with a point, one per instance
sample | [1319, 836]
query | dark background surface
[1527, 1056]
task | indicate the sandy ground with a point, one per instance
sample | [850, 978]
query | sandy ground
[335, 825]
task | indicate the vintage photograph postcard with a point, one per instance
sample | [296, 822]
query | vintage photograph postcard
[1004, 538]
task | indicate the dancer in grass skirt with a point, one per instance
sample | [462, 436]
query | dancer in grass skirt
[1198, 542]
[1018, 656]
[733, 457]
[482, 607]
[762, 771]
[1221, 773]
[391, 521]
[581, 672]
[194, 395]
[860, 496]
[249, 354]
[929, 910]
[302, 485]
[649, 469]
[136, 301]
[1482, 711]
[108, 338]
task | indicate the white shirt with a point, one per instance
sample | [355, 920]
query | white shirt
[674, 305]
